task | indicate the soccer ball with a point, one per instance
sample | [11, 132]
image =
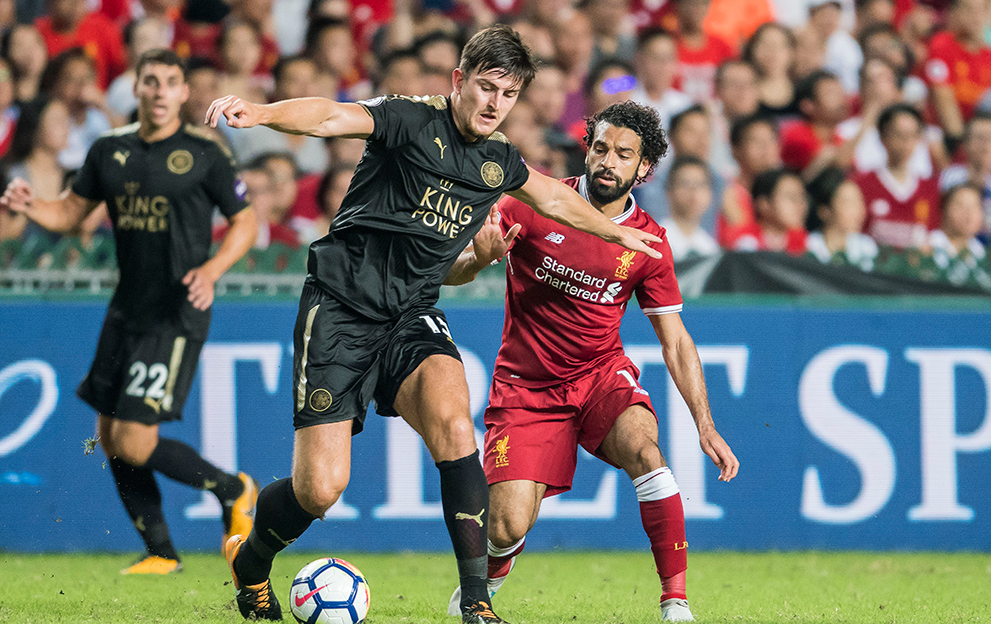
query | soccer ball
[329, 591]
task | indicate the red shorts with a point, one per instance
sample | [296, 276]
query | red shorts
[533, 434]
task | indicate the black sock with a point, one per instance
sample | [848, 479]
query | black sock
[464, 495]
[143, 502]
[180, 462]
[279, 520]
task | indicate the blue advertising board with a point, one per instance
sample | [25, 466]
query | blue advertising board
[865, 428]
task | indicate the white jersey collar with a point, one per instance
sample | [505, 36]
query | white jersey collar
[631, 202]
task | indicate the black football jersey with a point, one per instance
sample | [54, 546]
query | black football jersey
[160, 197]
[418, 196]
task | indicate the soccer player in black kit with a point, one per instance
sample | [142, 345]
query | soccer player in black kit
[368, 327]
[161, 181]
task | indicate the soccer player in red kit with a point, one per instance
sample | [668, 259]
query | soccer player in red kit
[561, 377]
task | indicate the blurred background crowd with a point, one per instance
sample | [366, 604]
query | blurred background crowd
[857, 132]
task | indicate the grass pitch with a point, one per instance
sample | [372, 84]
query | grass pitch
[593, 588]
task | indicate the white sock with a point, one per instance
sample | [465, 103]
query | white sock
[652, 486]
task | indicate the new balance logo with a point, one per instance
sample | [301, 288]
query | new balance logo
[555, 238]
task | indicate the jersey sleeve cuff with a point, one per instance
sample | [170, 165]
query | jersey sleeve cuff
[671, 309]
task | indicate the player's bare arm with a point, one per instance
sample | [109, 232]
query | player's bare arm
[313, 116]
[486, 247]
[238, 240]
[62, 215]
[556, 200]
[682, 360]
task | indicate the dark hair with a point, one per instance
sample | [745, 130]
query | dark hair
[26, 131]
[863, 4]
[767, 182]
[887, 29]
[721, 69]
[677, 120]
[950, 193]
[679, 163]
[748, 48]
[806, 87]
[259, 161]
[499, 48]
[599, 70]
[888, 115]
[230, 25]
[395, 56]
[285, 61]
[435, 36]
[160, 56]
[647, 35]
[740, 127]
[53, 71]
[641, 119]
[196, 63]
[317, 26]
[822, 190]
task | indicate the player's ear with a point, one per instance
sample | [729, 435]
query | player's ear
[643, 168]
[457, 80]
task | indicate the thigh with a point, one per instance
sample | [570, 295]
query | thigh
[631, 444]
[531, 434]
[433, 399]
[335, 361]
[608, 395]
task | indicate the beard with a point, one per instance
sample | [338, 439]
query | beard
[606, 194]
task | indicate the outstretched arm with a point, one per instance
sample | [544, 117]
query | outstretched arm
[238, 240]
[682, 360]
[62, 215]
[311, 115]
[556, 200]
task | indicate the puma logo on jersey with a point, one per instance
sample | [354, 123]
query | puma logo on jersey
[441, 146]
[121, 157]
[477, 517]
[555, 238]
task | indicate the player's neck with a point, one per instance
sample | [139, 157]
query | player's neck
[150, 133]
[613, 209]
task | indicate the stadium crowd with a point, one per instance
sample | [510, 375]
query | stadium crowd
[857, 132]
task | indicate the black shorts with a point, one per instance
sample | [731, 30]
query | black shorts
[343, 360]
[141, 376]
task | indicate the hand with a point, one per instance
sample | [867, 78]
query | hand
[200, 283]
[18, 196]
[719, 452]
[239, 113]
[637, 240]
[489, 244]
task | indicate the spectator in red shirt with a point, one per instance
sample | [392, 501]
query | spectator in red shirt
[780, 207]
[699, 53]
[959, 67]
[824, 105]
[69, 25]
[755, 148]
[261, 194]
[901, 207]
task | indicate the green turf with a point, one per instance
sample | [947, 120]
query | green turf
[593, 588]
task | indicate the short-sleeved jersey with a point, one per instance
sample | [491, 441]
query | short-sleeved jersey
[567, 292]
[967, 72]
[160, 197]
[899, 215]
[418, 196]
[697, 66]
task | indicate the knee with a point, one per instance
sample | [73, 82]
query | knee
[641, 458]
[451, 436]
[318, 495]
[507, 529]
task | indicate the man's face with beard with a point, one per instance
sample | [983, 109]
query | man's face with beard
[613, 163]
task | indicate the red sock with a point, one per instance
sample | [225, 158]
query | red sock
[664, 522]
[501, 559]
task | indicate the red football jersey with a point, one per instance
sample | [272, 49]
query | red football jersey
[567, 292]
[968, 72]
[697, 67]
[800, 144]
[899, 215]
